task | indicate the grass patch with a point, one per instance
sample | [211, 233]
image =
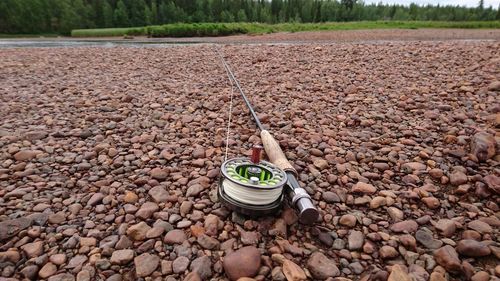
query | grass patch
[109, 32]
[225, 29]
[48, 35]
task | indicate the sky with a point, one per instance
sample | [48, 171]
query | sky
[468, 3]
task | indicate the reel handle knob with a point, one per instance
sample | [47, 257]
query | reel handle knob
[256, 150]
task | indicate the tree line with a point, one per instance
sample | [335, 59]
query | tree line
[61, 16]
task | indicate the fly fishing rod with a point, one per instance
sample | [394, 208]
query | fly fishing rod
[255, 187]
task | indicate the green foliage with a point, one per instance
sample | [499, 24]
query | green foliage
[108, 32]
[120, 15]
[61, 16]
[224, 29]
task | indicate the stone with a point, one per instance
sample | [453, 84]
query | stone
[377, 202]
[193, 276]
[185, 207]
[446, 227]
[494, 86]
[398, 274]
[425, 238]
[431, 202]
[395, 213]
[57, 218]
[25, 155]
[146, 264]
[458, 178]
[321, 164]
[447, 257]
[180, 264]
[493, 183]
[437, 276]
[249, 256]
[413, 166]
[480, 226]
[407, 226]
[47, 270]
[10, 228]
[30, 272]
[348, 220]
[58, 259]
[194, 190]
[199, 152]
[277, 274]
[472, 248]
[330, 197]
[202, 266]
[34, 249]
[355, 240]
[147, 210]
[166, 267]
[159, 194]
[293, 272]
[11, 256]
[95, 199]
[481, 276]
[77, 262]
[483, 146]
[62, 277]
[208, 242]
[138, 231]
[175, 236]
[211, 225]
[365, 188]
[159, 173]
[130, 197]
[122, 257]
[321, 267]
[388, 252]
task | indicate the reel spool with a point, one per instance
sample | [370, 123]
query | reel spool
[251, 187]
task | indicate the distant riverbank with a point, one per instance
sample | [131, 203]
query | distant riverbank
[225, 29]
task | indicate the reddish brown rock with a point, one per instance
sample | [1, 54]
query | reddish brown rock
[447, 257]
[248, 256]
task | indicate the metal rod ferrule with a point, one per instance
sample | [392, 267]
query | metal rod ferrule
[300, 199]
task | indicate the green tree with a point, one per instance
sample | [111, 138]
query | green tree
[154, 12]
[107, 12]
[241, 16]
[120, 15]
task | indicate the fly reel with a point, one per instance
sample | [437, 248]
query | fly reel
[251, 187]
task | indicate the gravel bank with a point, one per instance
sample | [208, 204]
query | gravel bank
[109, 160]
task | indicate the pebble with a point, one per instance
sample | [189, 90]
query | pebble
[446, 227]
[175, 236]
[408, 226]
[146, 264]
[202, 266]
[47, 270]
[365, 188]
[447, 257]
[355, 240]
[348, 220]
[122, 257]
[322, 267]
[292, 271]
[480, 226]
[180, 264]
[472, 248]
[249, 256]
[398, 274]
[138, 231]
[424, 237]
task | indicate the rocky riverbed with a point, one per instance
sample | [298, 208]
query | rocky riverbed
[109, 160]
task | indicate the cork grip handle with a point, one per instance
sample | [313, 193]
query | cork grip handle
[274, 152]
